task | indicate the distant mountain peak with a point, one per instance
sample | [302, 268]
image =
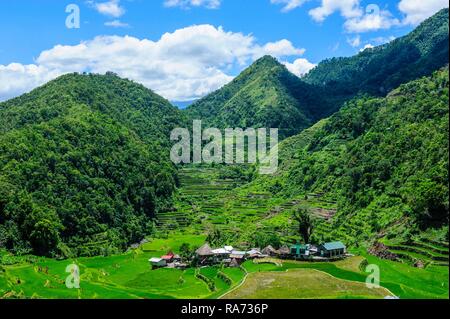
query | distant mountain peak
[267, 60]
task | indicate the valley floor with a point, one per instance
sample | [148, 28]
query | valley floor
[208, 201]
[129, 276]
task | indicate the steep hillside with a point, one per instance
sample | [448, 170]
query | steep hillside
[379, 70]
[264, 95]
[385, 160]
[84, 165]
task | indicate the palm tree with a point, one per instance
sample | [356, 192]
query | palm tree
[305, 223]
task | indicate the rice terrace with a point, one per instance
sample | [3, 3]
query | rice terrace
[120, 179]
[130, 275]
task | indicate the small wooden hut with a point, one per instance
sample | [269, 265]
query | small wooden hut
[204, 254]
[270, 251]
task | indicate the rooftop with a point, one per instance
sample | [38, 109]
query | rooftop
[334, 245]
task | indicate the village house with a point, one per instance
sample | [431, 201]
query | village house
[157, 262]
[229, 248]
[255, 253]
[270, 251]
[168, 257]
[204, 254]
[284, 252]
[237, 257]
[230, 257]
[332, 250]
[299, 251]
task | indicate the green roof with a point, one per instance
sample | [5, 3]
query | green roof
[334, 245]
[298, 246]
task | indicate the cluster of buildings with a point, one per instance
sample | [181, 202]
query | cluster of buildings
[231, 257]
[169, 260]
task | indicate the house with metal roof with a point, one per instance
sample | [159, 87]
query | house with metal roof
[298, 250]
[168, 257]
[229, 248]
[157, 262]
[220, 251]
[332, 249]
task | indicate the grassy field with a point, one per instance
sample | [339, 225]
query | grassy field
[401, 279]
[301, 284]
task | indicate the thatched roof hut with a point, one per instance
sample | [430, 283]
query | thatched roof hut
[234, 263]
[284, 250]
[204, 251]
[269, 250]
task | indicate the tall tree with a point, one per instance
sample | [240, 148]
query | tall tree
[305, 223]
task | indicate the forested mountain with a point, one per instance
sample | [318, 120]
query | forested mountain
[379, 70]
[385, 160]
[264, 95]
[84, 165]
[268, 95]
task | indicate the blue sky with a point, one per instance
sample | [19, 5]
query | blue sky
[207, 42]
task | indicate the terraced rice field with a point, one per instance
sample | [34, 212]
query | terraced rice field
[205, 199]
[125, 276]
[425, 253]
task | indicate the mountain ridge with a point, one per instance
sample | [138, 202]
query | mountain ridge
[266, 94]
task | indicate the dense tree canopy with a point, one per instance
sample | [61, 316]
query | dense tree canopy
[384, 159]
[84, 165]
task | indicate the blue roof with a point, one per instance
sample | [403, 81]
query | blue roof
[334, 245]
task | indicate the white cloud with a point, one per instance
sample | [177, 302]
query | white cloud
[367, 46]
[382, 40]
[111, 8]
[354, 42]
[183, 65]
[116, 24]
[417, 11]
[374, 19]
[358, 19]
[299, 67]
[289, 5]
[281, 48]
[347, 8]
[17, 78]
[209, 4]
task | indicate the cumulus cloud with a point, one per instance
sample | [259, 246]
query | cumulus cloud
[183, 65]
[417, 11]
[374, 19]
[299, 67]
[111, 8]
[17, 78]
[289, 5]
[366, 47]
[347, 8]
[357, 18]
[209, 4]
